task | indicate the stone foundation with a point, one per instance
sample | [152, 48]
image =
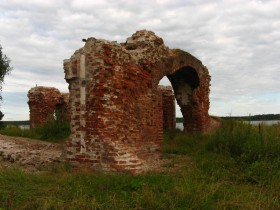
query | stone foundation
[117, 113]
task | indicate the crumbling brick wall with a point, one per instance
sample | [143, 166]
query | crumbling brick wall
[46, 103]
[115, 105]
[168, 107]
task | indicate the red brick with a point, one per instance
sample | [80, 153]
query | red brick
[44, 102]
[125, 112]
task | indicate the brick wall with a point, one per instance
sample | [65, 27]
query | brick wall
[116, 108]
[45, 103]
[168, 109]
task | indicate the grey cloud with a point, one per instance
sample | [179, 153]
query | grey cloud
[238, 41]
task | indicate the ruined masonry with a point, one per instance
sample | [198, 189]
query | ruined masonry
[116, 106]
[168, 107]
[47, 103]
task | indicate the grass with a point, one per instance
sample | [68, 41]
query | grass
[237, 167]
[52, 131]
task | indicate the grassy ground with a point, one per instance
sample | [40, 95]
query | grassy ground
[237, 167]
[52, 131]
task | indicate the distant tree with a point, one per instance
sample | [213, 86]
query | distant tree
[5, 69]
[1, 115]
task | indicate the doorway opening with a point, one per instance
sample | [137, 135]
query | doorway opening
[184, 82]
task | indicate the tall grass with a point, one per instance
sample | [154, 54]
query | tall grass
[12, 130]
[254, 149]
[176, 142]
[52, 131]
[247, 142]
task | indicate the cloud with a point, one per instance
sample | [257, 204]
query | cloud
[237, 40]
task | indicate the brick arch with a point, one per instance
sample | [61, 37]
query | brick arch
[187, 88]
[115, 104]
[182, 69]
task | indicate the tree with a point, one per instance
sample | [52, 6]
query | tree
[5, 69]
[1, 115]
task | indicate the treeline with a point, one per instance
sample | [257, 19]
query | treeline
[25, 122]
[262, 117]
[254, 117]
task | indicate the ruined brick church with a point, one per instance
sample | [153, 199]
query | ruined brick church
[116, 108]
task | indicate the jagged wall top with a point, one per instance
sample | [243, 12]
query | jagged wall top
[142, 47]
[116, 105]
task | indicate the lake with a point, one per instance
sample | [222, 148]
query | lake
[24, 127]
[180, 126]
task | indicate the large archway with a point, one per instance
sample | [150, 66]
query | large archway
[184, 82]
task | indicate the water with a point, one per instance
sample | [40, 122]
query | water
[265, 122]
[180, 126]
[24, 127]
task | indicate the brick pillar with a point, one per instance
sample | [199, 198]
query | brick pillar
[192, 94]
[169, 110]
[42, 104]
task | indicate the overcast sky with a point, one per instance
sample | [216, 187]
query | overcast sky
[238, 41]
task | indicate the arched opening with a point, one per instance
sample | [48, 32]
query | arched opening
[184, 82]
[171, 109]
[60, 112]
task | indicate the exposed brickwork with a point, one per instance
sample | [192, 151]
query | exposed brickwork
[45, 103]
[169, 111]
[116, 107]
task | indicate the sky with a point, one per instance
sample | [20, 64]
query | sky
[238, 41]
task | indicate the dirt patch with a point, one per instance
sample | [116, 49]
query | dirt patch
[28, 154]
[34, 156]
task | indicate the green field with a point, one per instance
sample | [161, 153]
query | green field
[237, 167]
